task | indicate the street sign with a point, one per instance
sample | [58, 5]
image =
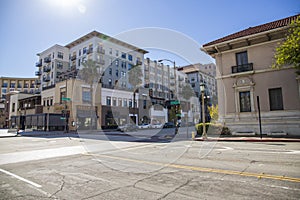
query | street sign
[63, 118]
[65, 99]
[176, 102]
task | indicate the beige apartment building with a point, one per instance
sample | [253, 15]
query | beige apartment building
[14, 84]
[73, 97]
[244, 72]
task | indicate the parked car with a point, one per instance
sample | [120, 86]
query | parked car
[127, 127]
[144, 125]
[169, 125]
[157, 125]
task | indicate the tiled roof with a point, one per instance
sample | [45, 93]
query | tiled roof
[256, 29]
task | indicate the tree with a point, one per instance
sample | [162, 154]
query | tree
[135, 75]
[288, 53]
[91, 74]
[187, 92]
[213, 111]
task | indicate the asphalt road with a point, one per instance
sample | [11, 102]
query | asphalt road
[146, 165]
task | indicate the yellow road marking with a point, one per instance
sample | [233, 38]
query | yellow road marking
[203, 169]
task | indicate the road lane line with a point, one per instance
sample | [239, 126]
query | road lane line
[20, 178]
[203, 169]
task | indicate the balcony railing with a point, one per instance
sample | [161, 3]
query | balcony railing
[242, 68]
[90, 50]
[47, 59]
[38, 64]
[48, 87]
[38, 73]
[101, 62]
[47, 69]
[46, 78]
[73, 57]
[100, 50]
[38, 82]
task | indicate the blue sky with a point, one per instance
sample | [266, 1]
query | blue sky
[31, 26]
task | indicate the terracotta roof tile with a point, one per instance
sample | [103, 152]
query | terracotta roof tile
[256, 29]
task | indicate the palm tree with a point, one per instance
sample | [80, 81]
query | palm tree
[91, 74]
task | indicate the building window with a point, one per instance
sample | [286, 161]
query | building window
[130, 103]
[117, 73]
[62, 95]
[123, 55]
[108, 101]
[60, 55]
[79, 52]
[241, 58]
[114, 101]
[275, 97]
[13, 107]
[129, 57]
[245, 102]
[110, 71]
[84, 50]
[129, 66]
[86, 95]
[110, 82]
[123, 64]
[145, 104]
[125, 102]
[110, 50]
[120, 102]
[117, 53]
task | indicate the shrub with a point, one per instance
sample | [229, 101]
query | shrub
[212, 129]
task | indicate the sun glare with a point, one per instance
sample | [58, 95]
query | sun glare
[69, 4]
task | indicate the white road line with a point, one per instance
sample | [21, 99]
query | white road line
[20, 178]
[23, 156]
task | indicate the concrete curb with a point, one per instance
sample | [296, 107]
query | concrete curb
[247, 139]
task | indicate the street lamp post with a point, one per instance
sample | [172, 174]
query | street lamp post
[48, 108]
[202, 89]
[174, 68]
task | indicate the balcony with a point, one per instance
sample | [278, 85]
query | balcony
[46, 69]
[138, 62]
[101, 62]
[47, 59]
[90, 50]
[73, 57]
[242, 68]
[38, 82]
[100, 50]
[46, 78]
[48, 87]
[38, 64]
[37, 91]
[38, 73]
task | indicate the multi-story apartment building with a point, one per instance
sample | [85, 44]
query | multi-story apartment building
[198, 74]
[115, 57]
[13, 84]
[25, 85]
[118, 107]
[244, 61]
[51, 64]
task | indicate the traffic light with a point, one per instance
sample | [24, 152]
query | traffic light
[63, 113]
[67, 113]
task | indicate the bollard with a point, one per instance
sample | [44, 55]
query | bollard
[193, 135]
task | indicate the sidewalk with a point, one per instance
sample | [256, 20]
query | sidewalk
[5, 133]
[248, 139]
